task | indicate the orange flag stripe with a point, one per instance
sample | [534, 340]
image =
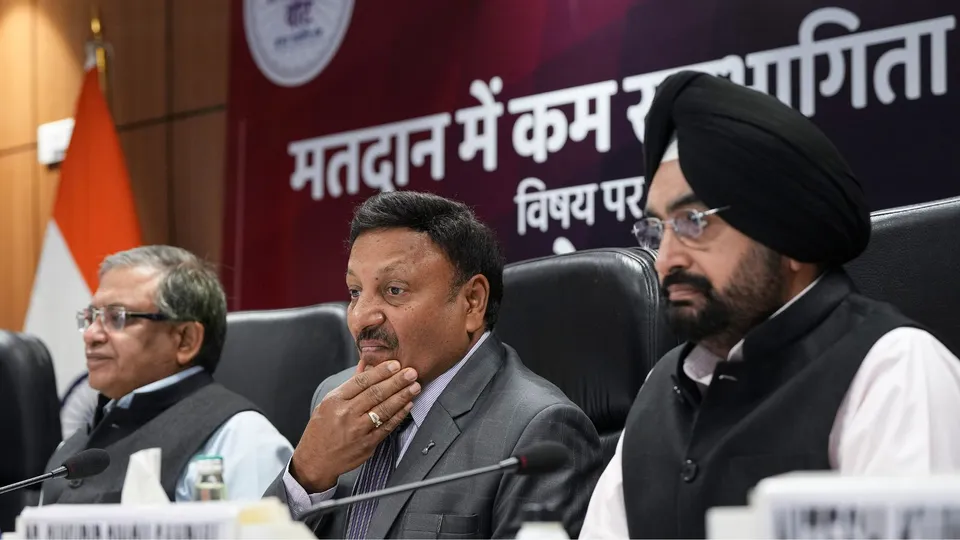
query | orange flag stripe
[94, 207]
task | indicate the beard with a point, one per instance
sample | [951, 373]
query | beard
[755, 292]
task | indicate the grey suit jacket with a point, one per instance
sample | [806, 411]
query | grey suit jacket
[491, 409]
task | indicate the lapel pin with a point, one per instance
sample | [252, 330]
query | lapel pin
[430, 445]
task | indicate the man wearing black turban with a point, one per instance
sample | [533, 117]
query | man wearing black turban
[786, 367]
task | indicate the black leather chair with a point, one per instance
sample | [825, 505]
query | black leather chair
[913, 262]
[29, 418]
[588, 322]
[277, 358]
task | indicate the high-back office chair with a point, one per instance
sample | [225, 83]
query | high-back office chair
[589, 323]
[29, 418]
[913, 262]
[277, 358]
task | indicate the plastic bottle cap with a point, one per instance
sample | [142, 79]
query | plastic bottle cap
[209, 465]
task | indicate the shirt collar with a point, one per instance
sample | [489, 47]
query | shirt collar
[125, 401]
[432, 390]
[700, 363]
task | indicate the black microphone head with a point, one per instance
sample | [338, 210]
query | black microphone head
[90, 462]
[542, 458]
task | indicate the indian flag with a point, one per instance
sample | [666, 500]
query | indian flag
[94, 216]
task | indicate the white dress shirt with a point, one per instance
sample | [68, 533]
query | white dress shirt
[78, 407]
[297, 497]
[897, 418]
[253, 451]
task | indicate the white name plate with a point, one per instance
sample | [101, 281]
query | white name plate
[825, 505]
[213, 520]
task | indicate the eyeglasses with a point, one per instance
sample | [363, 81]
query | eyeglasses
[688, 226]
[113, 317]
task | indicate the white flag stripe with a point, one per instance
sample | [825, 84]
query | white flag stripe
[59, 290]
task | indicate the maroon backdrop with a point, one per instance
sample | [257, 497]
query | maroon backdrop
[306, 75]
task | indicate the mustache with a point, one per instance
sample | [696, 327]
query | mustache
[377, 333]
[698, 283]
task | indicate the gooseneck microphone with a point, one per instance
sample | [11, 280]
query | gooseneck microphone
[541, 458]
[90, 462]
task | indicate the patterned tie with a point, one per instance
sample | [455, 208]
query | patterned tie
[374, 474]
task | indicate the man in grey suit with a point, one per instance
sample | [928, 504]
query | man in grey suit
[434, 393]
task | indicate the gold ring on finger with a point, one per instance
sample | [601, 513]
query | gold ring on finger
[375, 418]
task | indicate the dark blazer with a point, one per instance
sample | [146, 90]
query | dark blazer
[491, 409]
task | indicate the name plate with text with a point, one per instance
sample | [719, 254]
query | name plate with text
[213, 520]
[827, 505]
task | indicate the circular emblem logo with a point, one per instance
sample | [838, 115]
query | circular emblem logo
[293, 40]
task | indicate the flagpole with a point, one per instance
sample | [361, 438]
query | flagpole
[98, 48]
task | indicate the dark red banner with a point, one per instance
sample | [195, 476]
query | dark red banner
[532, 113]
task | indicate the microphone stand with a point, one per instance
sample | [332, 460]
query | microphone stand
[56, 473]
[328, 506]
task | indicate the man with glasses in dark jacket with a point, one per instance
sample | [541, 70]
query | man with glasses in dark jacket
[786, 366]
[153, 335]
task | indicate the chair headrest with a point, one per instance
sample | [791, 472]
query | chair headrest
[29, 405]
[277, 358]
[588, 322]
[913, 261]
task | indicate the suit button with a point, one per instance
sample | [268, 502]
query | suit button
[75, 483]
[689, 471]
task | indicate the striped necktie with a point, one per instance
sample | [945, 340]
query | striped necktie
[374, 474]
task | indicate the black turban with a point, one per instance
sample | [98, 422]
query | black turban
[786, 184]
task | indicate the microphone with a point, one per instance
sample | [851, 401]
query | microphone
[90, 462]
[540, 458]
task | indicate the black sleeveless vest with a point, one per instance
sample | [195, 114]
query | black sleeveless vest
[769, 414]
[177, 419]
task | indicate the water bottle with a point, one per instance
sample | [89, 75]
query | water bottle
[210, 486]
[541, 523]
